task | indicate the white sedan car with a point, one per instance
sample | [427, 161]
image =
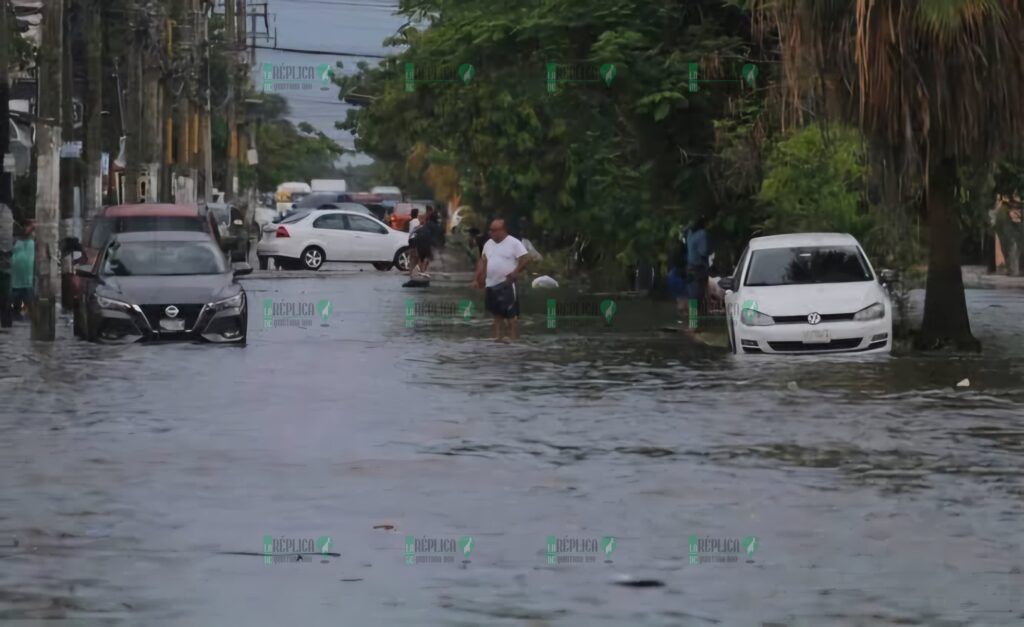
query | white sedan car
[806, 293]
[308, 239]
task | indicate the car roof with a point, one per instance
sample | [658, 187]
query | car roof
[162, 236]
[797, 240]
[151, 209]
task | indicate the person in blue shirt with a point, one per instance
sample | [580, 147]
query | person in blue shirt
[698, 249]
[23, 261]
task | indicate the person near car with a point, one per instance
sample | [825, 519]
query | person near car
[6, 245]
[503, 260]
[414, 259]
[23, 261]
[697, 252]
[677, 262]
[426, 235]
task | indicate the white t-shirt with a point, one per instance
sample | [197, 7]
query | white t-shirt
[413, 225]
[502, 258]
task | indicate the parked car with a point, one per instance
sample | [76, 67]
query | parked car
[348, 206]
[288, 193]
[401, 213]
[128, 219]
[232, 231]
[387, 192]
[314, 200]
[308, 240]
[162, 285]
[806, 293]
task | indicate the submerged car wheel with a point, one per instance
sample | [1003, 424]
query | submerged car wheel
[402, 259]
[383, 266]
[313, 258]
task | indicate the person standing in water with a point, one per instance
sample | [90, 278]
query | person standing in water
[503, 260]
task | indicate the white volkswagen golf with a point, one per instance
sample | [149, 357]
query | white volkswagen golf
[308, 239]
[806, 293]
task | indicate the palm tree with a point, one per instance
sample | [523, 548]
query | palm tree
[937, 84]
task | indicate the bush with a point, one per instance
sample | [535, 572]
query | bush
[814, 181]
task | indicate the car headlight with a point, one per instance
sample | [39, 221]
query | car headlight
[754, 318]
[872, 312]
[228, 303]
[110, 303]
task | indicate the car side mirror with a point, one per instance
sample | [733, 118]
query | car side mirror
[85, 273]
[726, 283]
[887, 277]
[242, 269]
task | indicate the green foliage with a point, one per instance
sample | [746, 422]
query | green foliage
[604, 161]
[814, 182]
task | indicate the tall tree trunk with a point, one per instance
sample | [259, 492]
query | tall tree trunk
[48, 140]
[945, 305]
[93, 149]
[5, 179]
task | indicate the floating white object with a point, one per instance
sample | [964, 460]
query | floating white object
[792, 386]
[544, 281]
[964, 383]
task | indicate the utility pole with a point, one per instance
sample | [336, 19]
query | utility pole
[231, 44]
[48, 141]
[5, 96]
[93, 149]
[206, 138]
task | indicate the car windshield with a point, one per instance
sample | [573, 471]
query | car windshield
[162, 259]
[220, 214]
[105, 227]
[804, 265]
[293, 216]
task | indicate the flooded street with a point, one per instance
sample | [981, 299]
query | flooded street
[137, 482]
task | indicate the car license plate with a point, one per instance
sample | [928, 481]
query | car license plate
[818, 336]
[170, 324]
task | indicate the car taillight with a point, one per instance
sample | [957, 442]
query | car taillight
[282, 232]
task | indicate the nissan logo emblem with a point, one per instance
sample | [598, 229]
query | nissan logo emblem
[814, 318]
[172, 312]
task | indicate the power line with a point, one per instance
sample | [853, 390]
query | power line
[324, 52]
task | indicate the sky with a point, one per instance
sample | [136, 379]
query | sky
[352, 26]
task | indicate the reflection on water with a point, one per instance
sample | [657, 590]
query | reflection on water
[881, 493]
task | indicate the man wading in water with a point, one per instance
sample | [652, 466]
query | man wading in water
[503, 259]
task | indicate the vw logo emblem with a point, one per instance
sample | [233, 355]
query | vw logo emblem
[814, 318]
[172, 311]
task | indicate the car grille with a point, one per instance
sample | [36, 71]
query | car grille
[803, 319]
[834, 345]
[188, 313]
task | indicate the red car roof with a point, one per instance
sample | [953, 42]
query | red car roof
[152, 209]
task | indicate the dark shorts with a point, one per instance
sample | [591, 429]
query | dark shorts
[423, 250]
[502, 300]
[697, 281]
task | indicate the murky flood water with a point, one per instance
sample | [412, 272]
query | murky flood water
[137, 482]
